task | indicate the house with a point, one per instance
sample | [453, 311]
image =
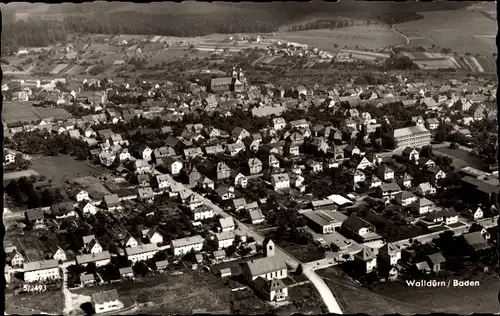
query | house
[227, 224]
[40, 271]
[106, 301]
[325, 221]
[163, 181]
[390, 254]
[223, 171]
[145, 153]
[405, 198]
[173, 165]
[152, 236]
[435, 261]
[254, 166]
[475, 214]
[141, 252]
[161, 265]
[274, 290]
[128, 241]
[256, 216]
[388, 190]
[203, 212]
[385, 173]
[240, 134]
[279, 123]
[366, 259]
[127, 273]
[359, 229]
[406, 180]
[475, 242]
[225, 193]
[99, 259]
[436, 173]
[144, 180]
[145, 194]
[374, 181]
[411, 154]
[59, 254]
[225, 239]
[424, 206]
[432, 123]
[273, 162]
[426, 188]
[280, 181]
[357, 175]
[91, 245]
[35, 217]
[314, 166]
[15, 258]
[111, 201]
[87, 279]
[240, 180]
[184, 245]
[268, 268]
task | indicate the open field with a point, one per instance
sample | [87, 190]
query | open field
[446, 29]
[29, 304]
[374, 37]
[173, 293]
[61, 168]
[14, 111]
[462, 158]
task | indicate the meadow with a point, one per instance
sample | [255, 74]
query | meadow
[462, 31]
[25, 112]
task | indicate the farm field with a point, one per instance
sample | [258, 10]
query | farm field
[462, 158]
[446, 29]
[25, 112]
[170, 294]
[61, 168]
[169, 54]
[51, 302]
[374, 37]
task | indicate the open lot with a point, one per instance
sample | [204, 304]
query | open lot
[446, 29]
[51, 302]
[25, 112]
[61, 168]
[462, 158]
[173, 293]
[374, 37]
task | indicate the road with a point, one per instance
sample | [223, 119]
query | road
[317, 281]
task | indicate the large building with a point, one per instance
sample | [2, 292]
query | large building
[414, 136]
[235, 83]
[41, 271]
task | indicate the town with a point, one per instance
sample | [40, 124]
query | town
[232, 193]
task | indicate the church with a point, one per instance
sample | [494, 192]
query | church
[236, 83]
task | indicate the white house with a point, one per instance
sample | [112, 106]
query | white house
[268, 268]
[390, 253]
[146, 153]
[226, 224]
[59, 255]
[152, 236]
[106, 301]
[477, 214]
[141, 252]
[184, 245]
[279, 123]
[91, 244]
[174, 166]
[130, 242]
[424, 206]
[405, 198]
[82, 196]
[99, 259]
[89, 208]
[37, 271]
[163, 181]
[426, 189]
[225, 239]
[367, 258]
[9, 158]
[203, 212]
[280, 181]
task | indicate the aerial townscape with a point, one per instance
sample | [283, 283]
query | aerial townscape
[181, 158]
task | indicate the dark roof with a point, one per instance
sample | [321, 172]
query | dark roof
[476, 241]
[436, 258]
[105, 296]
[34, 214]
[357, 222]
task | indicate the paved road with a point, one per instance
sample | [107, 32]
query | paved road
[317, 281]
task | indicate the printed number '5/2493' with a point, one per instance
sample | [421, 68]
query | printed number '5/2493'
[35, 288]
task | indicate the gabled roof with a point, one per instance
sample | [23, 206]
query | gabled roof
[266, 265]
[436, 258]
[105, 296]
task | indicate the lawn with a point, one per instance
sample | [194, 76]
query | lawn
[61, 168]
[462, 158]
[303, 253]
[25, 112]
[51, 302]
[373, 36]
[445, 29]
[172, 293]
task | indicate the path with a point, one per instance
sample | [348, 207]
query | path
[399, 33]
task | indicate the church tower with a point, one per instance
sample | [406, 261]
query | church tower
[268, 247]
[234, 73]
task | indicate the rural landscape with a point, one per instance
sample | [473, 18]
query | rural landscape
[250, 158]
